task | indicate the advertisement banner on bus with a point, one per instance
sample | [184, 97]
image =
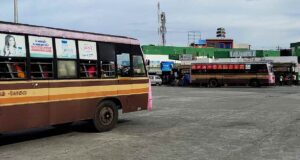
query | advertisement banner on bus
[65, 48]
[87, 50]
[40, 47]
[12, 45]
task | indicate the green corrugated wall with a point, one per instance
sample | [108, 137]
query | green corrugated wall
[267, 53]
[174, 52]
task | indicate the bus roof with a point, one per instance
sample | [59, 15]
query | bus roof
[9, 27]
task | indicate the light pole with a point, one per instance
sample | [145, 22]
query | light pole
[16, 11]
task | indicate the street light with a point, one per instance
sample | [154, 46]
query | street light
[16, 11]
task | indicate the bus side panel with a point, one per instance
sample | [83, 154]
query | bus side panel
[199, 79]
[137, 102]
[263, 79]
[24, 113]
[241, 78]
[24, 116]
[136, 95]
[64, 111]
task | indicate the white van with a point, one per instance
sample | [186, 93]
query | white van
[155, 80]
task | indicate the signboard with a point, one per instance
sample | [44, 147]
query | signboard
[40, 47]
[65, 48]
[155, 64]
[87, 50]
[201, 42]
[186, 57]
[237, 54]
[167, 66]
[12, 45]
[248, 66]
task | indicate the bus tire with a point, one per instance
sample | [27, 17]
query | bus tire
[106, 116]
[254, 83]
[213, 83]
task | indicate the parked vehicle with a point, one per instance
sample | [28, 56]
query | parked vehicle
[52, 76]
[218, 74]
[155, 80]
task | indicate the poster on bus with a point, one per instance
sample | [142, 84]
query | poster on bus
[65, 48]
[40, 47]
[12, 45]
[87, 50]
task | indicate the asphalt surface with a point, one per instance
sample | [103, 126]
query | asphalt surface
[186, 123]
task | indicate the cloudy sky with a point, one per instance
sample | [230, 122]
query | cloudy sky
[265, 24]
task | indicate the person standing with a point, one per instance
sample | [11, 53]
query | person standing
[294, 79]
[281, 80]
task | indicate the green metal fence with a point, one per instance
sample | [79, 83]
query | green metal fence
[174, 52]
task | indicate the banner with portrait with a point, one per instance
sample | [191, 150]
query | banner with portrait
[65, 48]
[40, 47]
[12, 45]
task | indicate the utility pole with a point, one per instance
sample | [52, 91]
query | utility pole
[158, 20]
[16, 11]
[162, 29]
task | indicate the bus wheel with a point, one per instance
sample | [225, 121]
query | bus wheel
[106, 116]
[254, 83]
[213, 83]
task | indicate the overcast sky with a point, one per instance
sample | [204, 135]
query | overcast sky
[265, 24]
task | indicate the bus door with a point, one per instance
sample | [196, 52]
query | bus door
[131, 71]
[140, 81]
[124, 73]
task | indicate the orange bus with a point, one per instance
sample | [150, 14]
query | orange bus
[51, 76]
[218, 74]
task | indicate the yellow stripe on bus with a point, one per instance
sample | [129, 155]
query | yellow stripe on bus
[24, 96]
[44, 99]
[69, 90]
[74, 80]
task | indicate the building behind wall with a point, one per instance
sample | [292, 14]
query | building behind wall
[219, 43]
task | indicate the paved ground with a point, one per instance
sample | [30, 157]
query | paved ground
[187, 123]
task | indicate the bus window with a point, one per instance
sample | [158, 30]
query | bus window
[138, 66]
[88, 69]
[259, 68]
[41, 69]
[123, 61]
[108, 69]
[66, 69]
[139, 69]
[12, 69]
[107, 60]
